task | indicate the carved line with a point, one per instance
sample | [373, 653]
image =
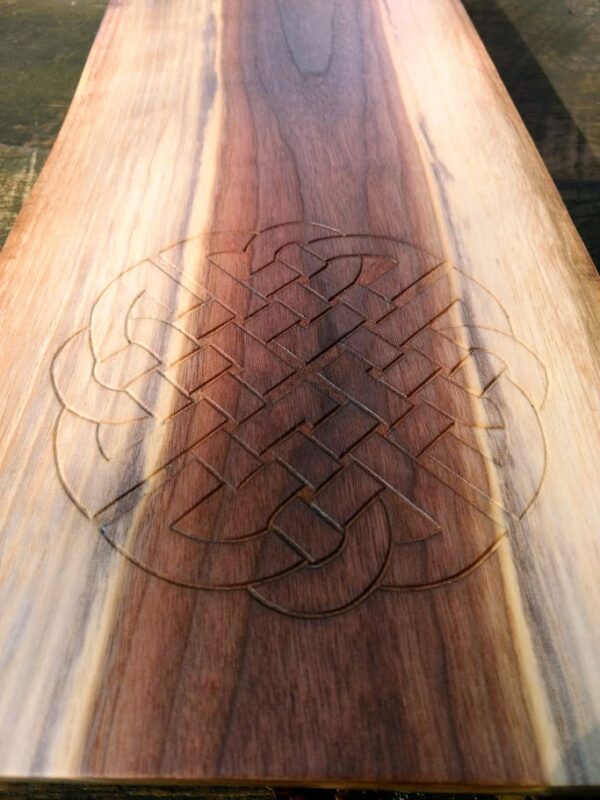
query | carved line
[303, 371]
[416, 587]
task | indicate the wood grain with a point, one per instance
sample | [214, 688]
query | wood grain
[299, 441]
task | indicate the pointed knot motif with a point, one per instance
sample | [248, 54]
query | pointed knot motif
[306, 415]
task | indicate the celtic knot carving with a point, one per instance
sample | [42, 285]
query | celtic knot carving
[302, 414]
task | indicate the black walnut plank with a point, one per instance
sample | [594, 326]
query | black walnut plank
[298, 448]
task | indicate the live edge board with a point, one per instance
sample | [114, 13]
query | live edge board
[300, 425]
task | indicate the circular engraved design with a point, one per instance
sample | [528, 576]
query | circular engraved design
[302, 414]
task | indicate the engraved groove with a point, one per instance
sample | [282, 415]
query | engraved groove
[323, 404]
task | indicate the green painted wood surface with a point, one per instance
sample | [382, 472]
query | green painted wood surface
[43, 47]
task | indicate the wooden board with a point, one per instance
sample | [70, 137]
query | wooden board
[300, 420]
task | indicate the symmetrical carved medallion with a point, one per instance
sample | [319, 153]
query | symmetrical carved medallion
[306, 415]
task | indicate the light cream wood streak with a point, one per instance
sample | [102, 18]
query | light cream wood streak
[509, 229]
[538, 705]
[153, 118]
[536, 696]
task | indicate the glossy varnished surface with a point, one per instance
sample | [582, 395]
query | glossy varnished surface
[296, 423]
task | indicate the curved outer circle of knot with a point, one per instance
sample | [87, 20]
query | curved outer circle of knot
[301, 588]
